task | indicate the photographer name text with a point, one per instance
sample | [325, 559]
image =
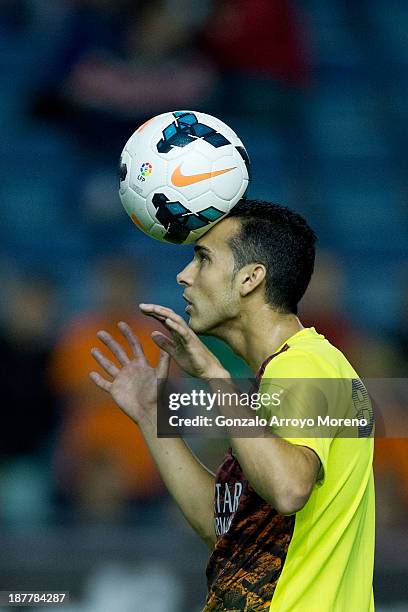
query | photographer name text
[274, 421]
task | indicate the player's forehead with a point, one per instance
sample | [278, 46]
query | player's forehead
[217, 238]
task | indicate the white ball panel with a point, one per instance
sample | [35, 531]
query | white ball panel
[145, 183]
[136, 209]
[213, 153]
[227, 185]
[210, 199]
[186, 170]
[145, 130]
[200, 197]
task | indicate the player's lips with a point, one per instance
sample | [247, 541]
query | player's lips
[189, 303]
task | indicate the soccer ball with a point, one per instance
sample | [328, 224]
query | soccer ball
[180, 173]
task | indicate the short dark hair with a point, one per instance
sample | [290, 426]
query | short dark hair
[283, 242]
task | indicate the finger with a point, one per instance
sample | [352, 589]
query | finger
[164, 342]
[182, 331]
[132, 339]
[100, 381]
[113, 346]
[107, 365]
[158, 317]
[161, 312]
[162, 369]
[169, 319]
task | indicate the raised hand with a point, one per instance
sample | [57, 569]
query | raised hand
[184, 346]
[133, 386]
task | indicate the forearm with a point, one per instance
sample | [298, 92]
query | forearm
[133, 386]
[188, 481]
[281, 473]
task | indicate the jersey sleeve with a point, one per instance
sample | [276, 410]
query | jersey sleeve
[296, 378]
[321, 447]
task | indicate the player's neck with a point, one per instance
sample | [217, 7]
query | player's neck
[260, 334]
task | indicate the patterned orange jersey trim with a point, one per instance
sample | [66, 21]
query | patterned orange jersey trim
[248, 558]
[252, 544]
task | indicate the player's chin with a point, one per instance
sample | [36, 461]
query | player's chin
[194, 324]
[198, 327]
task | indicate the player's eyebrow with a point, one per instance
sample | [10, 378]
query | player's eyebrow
[199, 249]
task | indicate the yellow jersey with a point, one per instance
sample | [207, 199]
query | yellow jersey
[330, 558]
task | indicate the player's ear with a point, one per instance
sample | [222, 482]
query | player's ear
[251, 277]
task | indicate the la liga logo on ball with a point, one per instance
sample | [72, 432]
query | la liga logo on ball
[201, 170]
[145, 170]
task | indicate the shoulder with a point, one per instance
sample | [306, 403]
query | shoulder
[310, 357]
[295, 362]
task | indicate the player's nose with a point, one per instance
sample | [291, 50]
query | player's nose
[184, 277]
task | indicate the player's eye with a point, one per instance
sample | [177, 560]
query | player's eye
[204, 258]
[201, 257]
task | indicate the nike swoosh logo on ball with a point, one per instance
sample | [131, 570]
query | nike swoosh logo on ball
[181, 180]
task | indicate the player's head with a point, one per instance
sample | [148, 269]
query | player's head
[283, 242]
[260, 254]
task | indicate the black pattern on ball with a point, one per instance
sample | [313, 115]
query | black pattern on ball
[179, 221]
[243, 153]
[122, 171]
[185, 129]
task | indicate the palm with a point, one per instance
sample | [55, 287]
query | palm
[134, 384]
[129, 388]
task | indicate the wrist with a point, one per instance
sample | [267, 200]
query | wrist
[215, 373]
[147, 420]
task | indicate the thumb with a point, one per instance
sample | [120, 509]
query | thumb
[163, 342]
[162, 369]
